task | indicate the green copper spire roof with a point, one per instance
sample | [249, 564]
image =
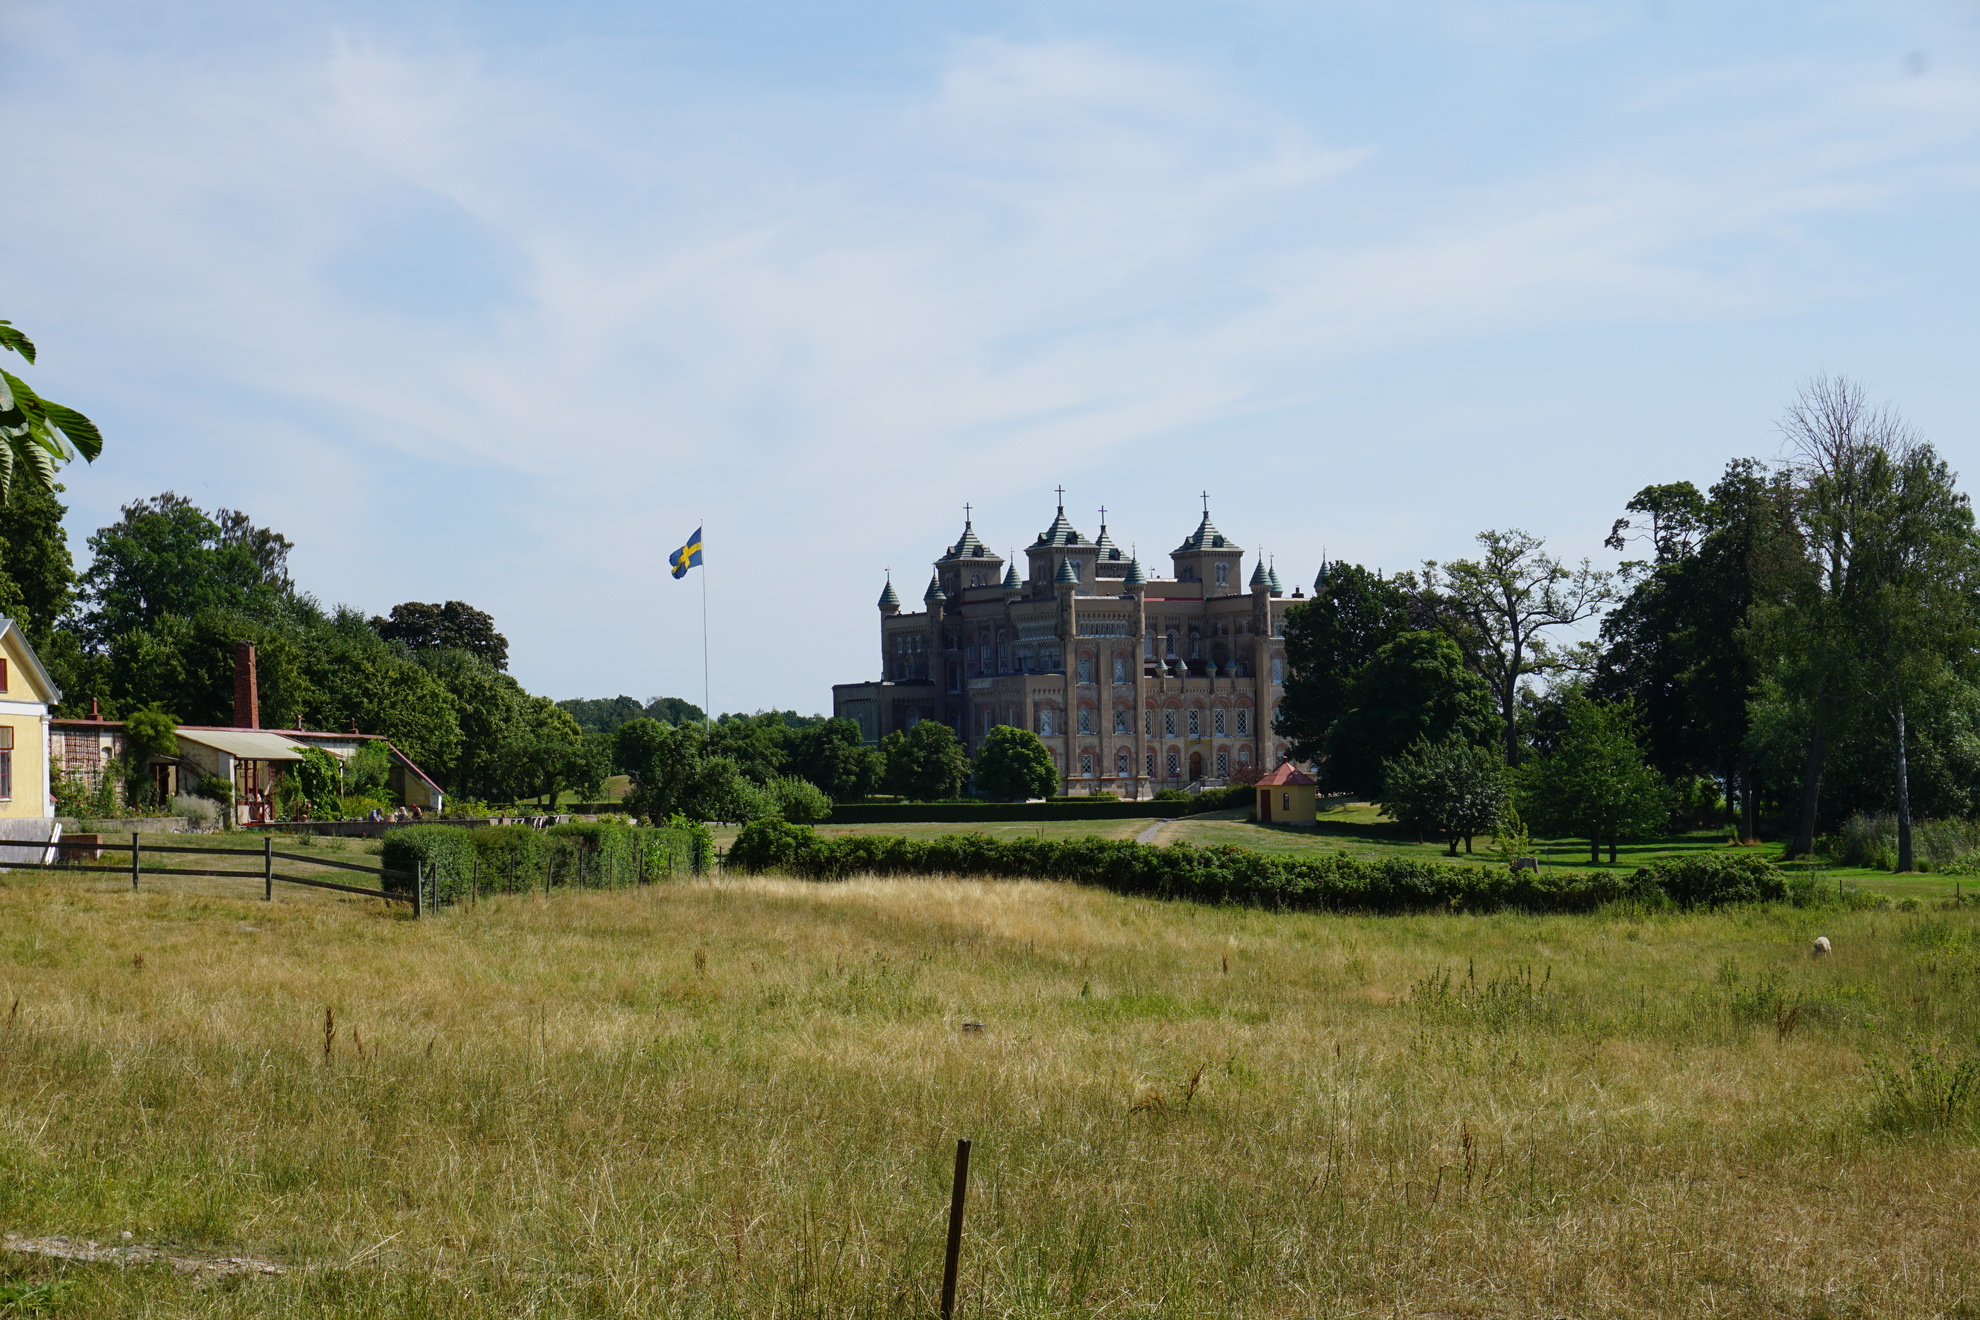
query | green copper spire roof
[1135, 577]
[1011, 582]
[934, 595]
[1065, 573]
[1109, 552]
[1272, 578]
[967, 546]
[890, 600]
[1259, 577]
[1207, 537]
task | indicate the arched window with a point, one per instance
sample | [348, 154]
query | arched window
[1195, 722]
[1086, 764]
[1244, 755]
[1121, 723]
[1086, 719]
[1046, 724]
[1175, 763]
[1278, 669]
[1285, 802]
[1195, 643]
[1122, 763]
[1169, 723]
[1173, 638]
[1223, 760]
[1217, 721]
[1151, 765]
[1148, 723]
[1120, 669]
[1086, 669]
[1223, 575]
[1244, 722]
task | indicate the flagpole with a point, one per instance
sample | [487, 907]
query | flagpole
[707, 706]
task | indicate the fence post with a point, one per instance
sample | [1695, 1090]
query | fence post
[267, 869]
[134, 861]
[958, 1191]
[419, 888]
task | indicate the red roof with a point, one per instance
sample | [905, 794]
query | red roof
[1285, 773]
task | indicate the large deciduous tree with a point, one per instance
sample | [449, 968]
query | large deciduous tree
[1013, 764]
[927, 762]
[1454, 786]
[456, 625]
[167, 557]
[1498, 607]
[1415, 688]
[1596, 782]
[1329, 640]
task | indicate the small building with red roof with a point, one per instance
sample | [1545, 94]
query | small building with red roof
[1286, 796]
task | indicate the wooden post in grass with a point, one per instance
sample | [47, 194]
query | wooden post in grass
[958, 1192]
[134, 861]
[267, 869]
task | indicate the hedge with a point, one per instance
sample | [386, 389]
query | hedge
[1224, 874]
[522, 859]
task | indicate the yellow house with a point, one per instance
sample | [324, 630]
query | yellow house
[26, 693]
[1285, 797]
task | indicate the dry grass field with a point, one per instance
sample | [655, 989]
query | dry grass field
[739, 1098]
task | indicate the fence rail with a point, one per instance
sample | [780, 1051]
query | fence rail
[135, 868]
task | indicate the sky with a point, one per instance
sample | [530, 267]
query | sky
[499, 302]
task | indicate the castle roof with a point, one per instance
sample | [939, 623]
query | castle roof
[1011, 582]
[1065, 573]
[1135, 577]
[1109, 552]
[1059, 534]
[934, 595]
[1206, 537]
[1272, 579]
[889, 598]
[1259, 578]
[966, 547]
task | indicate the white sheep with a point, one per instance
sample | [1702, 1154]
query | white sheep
[1821, 947]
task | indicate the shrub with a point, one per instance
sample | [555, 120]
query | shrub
[798, 800]
[202, 814]
[1333, 882]
[218, 789]
[523, 859]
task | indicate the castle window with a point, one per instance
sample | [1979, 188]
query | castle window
[1085, 720]
[1148, 646]
[1121, 725]
[1278, 669]
[1120, 669]
[1151, 765]
[1047, 726]
[1148, 723]
[1217, 721]
[1172, 643]
[1244, 719]
[1244, 755]
[1195, 644]
[1122, 763]
[1003, 655]
[1085, 669]
[1175, 764]
[1223, 575]
[1086, 764]
[1169, 723]
[1195, 722]
[1223, 760]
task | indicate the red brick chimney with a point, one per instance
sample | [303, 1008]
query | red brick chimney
[247, 689]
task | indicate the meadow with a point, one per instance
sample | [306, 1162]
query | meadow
[740, 1097]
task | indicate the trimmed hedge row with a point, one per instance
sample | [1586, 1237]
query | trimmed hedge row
[493, 859]
[969, 813]
[1331, 883]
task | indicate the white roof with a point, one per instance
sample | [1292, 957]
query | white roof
[248, 745]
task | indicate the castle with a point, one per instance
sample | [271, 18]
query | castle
[1133, 683]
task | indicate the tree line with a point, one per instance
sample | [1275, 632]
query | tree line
[1791, 647]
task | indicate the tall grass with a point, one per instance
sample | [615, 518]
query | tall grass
[1937, 845]
[739, 1098]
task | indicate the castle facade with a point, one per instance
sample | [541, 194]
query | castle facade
[1133, 683]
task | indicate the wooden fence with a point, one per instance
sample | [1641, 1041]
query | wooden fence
[417, 898]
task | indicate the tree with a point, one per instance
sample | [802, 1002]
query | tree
[602, 714]
[1416, 687]
[798, 800]
[1329, 640]
[149, 732]
[1497, 606]
[165, 557]
[1014, 764]
[37, 576]
[754, 742]
[1887, 612]
[675, 710]
[455, 625]
[37, 435]
[834, 756]
[927, 762]
[663, 762]
[1597, 782]
[1453, 786]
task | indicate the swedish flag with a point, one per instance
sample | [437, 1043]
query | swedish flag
[688, 556]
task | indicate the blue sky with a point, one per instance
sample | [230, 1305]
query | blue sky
[498, 301]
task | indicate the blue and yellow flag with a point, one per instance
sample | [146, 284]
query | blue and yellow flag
[688, 556]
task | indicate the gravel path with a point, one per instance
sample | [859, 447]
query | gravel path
[1148, 835]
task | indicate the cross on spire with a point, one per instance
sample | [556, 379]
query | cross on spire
[1103, 517]
[1062, 498]
[1206, 503]
[966, 519]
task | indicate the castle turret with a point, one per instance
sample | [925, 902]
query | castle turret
[1209, 557]
[890, 600]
